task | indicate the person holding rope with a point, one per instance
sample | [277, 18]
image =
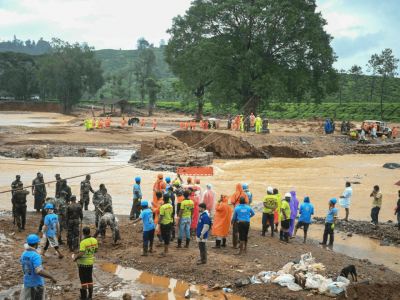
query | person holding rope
[39, 191]
[85, 259]
[74, 213]
[19, 206]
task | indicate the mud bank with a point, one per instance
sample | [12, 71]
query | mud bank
[29, 106]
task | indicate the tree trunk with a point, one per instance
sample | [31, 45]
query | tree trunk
[251, 107]
[151, 106]
[200, 110]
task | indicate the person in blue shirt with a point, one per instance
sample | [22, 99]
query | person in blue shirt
[203, 228]
[168, 181]
[50, 229]
[33, 271]
[306, 210]
[242, 214]
[331, 218]
[137, 197]
[328, 127]
[248, 193]
[148, 227]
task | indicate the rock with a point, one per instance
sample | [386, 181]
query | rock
[82, 150]
[355, 182]
[228, 285]
[243, 281]
[382, 268]
[39, 153]
[127, 296]
[391, 166]
[216, 287]
[385, 242]
[349, 234]
[366, 281]
[102, 153]
[28, 152]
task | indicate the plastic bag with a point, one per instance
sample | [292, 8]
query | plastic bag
[324, 284]
[281, 272]
[268, 276]
[343, 279]
[294, 286]
[307, 259]
[311, 284]
[337, 287]
[283, 280]
[39, 291]
[286, 268]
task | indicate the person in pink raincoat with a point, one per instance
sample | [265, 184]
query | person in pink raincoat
[209, 200]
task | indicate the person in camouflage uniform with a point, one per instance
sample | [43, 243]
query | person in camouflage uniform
[265, 125]
[108, 219]
[333, 126]
[74, 213]
[96, 200]
[39, 191]
[60, 209]
[85, 188]
[106, 204]
[247, 124]
[44, 211]
[137, 199]
[58, 186]
[14, 184]
[66, 188]
[348, 126]
[19, 206]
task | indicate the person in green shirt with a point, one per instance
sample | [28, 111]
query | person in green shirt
[285, 218]
[165, 222]
[184, 219]
[85, 259]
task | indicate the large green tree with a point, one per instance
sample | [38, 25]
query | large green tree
[153, 87]
[143, 68]
[68, 70]
[263, 50]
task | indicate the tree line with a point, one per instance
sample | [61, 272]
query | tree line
[28, 47]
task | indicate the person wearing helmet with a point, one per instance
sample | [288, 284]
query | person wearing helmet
[66, 188]
[74, 213]
[33, 271]
[257, 123]
[60, 209]
[50, 229]
[146, 216]
[168, 184]
[241, 123]
[248, 193]
[19, 206]
[137, 197]
[330, 222]
[85, 188]
[49, 200]
[159, 186]
[285, 219]
[39, 191]
[96, 200]
[270, 204]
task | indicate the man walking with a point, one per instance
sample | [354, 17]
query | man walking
[50, 229]
[85, 259]
[344, 200]
[165, 223]
[137, 197]
[203, 227]
[19, 206]
[330, 222]
[61, 211]
[39, 191]
[85, 188]
[242, 215]
[376, 205]
[146, 217]
[306, 211]
[184, 219]
[270, 204]
[74, 213]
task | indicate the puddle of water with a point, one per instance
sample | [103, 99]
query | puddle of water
[176, 289]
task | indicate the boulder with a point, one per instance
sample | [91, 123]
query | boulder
[243, 281]
[39, 153]
[82, 150]
[366, 281]
[391, 166]
[127, 296]
[385, 242]
[102, 153]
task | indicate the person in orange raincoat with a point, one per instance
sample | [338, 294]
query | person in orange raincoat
[194, 125]
[201, 124]
[195, 198]
[156, 211]
[182, 125]
[235, 199]
[222, 221]
[159, 186]
[154, 124]
[237, 121]
[217, 125]
[123, 122]
[186, 125]
[142, 123]
[394, 132]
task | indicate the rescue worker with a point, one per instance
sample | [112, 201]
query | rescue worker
[165, 222]
[156, 206]
[241, 123]
[96, 200]
[306, 211]
[58, 186]
[19, 206]
[257, 123]
[33, 271]
[252, 118]
[265, 125]
[241, 216]
[14, 184]
[66, 188]
[277, 212]
[248, 193]
[394, 132]
[85, 188]
[285, 219]
[85, 259]
[93, 123]
[168, 184]
[137, 198]
[51, 228]
[108, 219]
[60, 209]
[330, 222]
[333, 126]
[229, 123]
[348, 125]
[203, 228]
[159, 186]
[181, 125]
[270, 205]
[74, 213]
[186, 125]
[328, 128]
[97, 123]
[44, 211]
[184, 219]
[106, 204]
[101, 124]
[194, 125]
[235, 199]
[343, 127]
[237, 121]
[222, 221]
[146, 216]
[154, 124]
[86, 124]
[142, 123]
[39, 191]
[179, 195]
[247, 124]
[123, 122]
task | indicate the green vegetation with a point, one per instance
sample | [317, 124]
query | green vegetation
[27, 47]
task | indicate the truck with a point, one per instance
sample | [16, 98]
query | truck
[383, 128]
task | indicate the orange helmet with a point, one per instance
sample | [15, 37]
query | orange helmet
[189, 179]
[160, 176]
[197, 180]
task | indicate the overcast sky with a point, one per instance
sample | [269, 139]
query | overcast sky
[360, 27]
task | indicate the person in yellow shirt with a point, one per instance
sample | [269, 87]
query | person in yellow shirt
[257, 123]
[270, 204]
[85, 258]
[285, 219]
[184, 219]
[278, 209]
[165, 223]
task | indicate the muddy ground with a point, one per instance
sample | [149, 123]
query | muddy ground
[223, 266]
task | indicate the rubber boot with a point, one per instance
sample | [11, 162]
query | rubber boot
[287, 237]
[264, 229]
[83, 294]
[179, 243]
[145, 250]
[224, 241]
[19, 227]
[23, 224]
[151, 248]
[281, 235]
[205, 255]
[90, 293]
[86, 207]
[200, 262]
[217, 244]
[187, 243]
[97, 225]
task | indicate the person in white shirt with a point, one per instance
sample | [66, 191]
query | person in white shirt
[344, 200]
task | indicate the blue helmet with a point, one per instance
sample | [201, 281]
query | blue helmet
[168, 179]
[49, 205]
[137, 179]
[334, 200]
[244, 186]
[145, 203]
[32, 239]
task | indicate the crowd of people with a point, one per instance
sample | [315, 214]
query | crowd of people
[176, 206]
[97, 123]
